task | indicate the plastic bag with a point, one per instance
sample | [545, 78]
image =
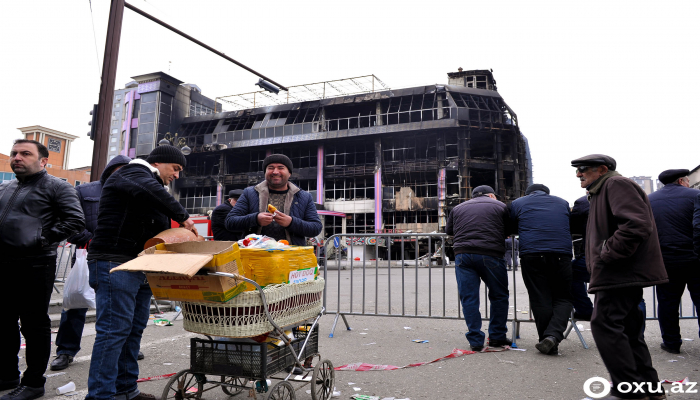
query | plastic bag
[77, 292]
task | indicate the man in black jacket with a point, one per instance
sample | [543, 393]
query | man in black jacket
[583, 306]
[479, 228]
[134, 206]
[218, 218]
[37, 211]
[70, 330]
[673, 207]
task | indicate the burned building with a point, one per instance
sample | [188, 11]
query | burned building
[376, 160]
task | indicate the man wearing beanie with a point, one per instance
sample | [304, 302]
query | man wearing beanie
[135, 205]
[295, 217]
[673, 207]
[218, 218]
[479, 227]
[623, 256]
[542, 221]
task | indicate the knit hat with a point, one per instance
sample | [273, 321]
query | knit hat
[482, 190]
[278, 159]
[536, 186]
[166, 153]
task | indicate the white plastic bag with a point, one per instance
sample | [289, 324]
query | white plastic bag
[77, 292]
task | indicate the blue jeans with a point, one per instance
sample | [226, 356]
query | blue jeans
[582, 303]
[70, 331]
[123, 307]
[470, 270]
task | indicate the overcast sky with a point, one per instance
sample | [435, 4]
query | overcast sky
[613, 77]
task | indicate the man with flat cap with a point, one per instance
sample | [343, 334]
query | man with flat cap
[218, 218]
[673, 207]
[623, 256]
[542, 221]
[294, 218]
[479, 227]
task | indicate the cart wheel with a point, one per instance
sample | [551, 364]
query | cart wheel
[323, 380]
[282, 391]
[233, 380]
[183, 385]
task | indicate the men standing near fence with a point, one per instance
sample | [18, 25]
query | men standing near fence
[673, 213]
[583, 307]
[70, 330]
[218, 218]
[135, 205]
[542, 221]
[295, 217]
[37, 211]
[623, 256]
[479, 228]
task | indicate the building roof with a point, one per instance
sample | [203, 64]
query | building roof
[52, 132]
[155, 76]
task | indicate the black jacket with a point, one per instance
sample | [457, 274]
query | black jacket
[134, 207]
[36, 213]
[479, 226]
[696, 226]
[672, 206]
[542, 221]
[577, 223]
[218, 223]
[89, 196]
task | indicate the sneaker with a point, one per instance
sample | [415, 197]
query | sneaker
[140, 356]
[144, 396]
[670, 349]
[7, 385]
[499, 343]
[546, 345]
[582, 317]
[61, 362]
[477, 348]
[24, 393]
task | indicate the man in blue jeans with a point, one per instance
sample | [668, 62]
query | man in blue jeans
[479, 228]
[135, 205]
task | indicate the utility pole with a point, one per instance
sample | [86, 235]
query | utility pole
[109, 75]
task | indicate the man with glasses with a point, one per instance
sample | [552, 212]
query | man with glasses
[673, 207]
[623, 256]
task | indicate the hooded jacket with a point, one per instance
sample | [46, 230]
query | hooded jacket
[479, 226]
[542, 221]
[622, 245]
[673, 213]
[134, 207]
[89, 196]
[36, 213]
[305, 221]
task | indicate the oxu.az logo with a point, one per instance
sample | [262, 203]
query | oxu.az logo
[598, 387]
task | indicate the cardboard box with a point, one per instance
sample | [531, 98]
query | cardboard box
[294, 264]
[171, 269]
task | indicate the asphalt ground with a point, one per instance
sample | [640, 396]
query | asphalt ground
[383, 340]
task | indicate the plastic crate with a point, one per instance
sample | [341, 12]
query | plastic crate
[246, 359]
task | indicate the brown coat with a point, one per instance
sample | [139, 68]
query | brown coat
[622, 243]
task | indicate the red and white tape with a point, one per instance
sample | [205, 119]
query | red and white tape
[374, 367]
[155, 378]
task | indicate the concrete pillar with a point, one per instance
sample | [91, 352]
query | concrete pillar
[379, 113]
[320, 187]
[442, 189]
[378, 223]
[219, 193]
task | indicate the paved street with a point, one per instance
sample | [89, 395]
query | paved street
[384, 340]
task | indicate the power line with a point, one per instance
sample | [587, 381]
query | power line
[94, 36]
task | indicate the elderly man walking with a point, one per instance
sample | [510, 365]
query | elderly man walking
[623, 256]
[479, 227]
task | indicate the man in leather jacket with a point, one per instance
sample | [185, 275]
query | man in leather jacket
[37, 211]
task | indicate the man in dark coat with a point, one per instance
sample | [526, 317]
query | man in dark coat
[583, 307]
[623, 256]
[673, 207]
[295, 218]
[542, 221]
[135, 205]
[512, 243]
[218, 218]
[70, 330]
[479, 228]
[37, 211]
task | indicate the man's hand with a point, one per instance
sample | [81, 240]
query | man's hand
[189, 225]
[282, 219]
[265, 218]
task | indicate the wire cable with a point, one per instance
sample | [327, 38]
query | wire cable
[94, 36]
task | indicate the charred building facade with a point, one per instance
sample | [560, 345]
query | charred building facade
[380, 161]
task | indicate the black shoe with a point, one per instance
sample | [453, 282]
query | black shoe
[61, 362]
[140, 356]
[500, 343]
[477, 348]
[294, 370]
[670, 349]
[554, 351]
[546, 345]
[582, 317]
[7, 385]
[24, 393]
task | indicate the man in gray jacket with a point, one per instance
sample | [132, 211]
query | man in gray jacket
[479, 228]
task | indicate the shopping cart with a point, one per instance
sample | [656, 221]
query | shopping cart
[286, 355]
